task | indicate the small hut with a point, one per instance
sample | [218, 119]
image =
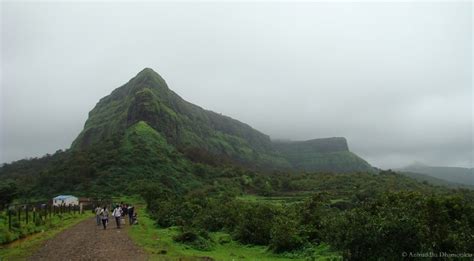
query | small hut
[65, 200]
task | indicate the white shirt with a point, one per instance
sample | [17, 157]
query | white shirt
[117, 212]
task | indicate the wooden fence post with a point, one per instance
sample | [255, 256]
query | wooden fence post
[34, 215]
[26, 213]
[19, 217]
[9, 219]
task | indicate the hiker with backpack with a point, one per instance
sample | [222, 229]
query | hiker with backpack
[117, 213]
[104, 215]
[97, 215]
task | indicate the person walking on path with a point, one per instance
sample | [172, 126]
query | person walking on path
[104, 214]
[97, 215]
[117, 213]
[125, 211]
[130, 214]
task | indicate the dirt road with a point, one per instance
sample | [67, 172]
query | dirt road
[87, 241]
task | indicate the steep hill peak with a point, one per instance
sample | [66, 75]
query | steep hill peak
[148, 78]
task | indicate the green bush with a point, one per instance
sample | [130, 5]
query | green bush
[285, 233]
[198, 240]
[255, 224]
[219, 214]
[6, 236]
[403, 222]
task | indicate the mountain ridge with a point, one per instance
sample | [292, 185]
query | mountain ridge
[147, 97]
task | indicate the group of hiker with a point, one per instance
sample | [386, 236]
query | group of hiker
[119, 213]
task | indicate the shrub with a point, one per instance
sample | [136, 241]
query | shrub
[285, 233]
[219, 214]
[403, 222]
[198, 240]
[255, 224]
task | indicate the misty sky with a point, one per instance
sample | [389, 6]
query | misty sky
[395, 79]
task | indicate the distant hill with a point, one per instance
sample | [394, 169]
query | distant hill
[434, 181]
[463, 176]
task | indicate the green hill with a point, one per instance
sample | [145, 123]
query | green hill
[201, 134]
[191, 129]
[143, 130]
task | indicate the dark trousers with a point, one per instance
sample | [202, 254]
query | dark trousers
[117, 220]
[130, 219]
[104, 223]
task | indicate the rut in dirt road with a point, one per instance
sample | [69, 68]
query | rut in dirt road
[87, 241]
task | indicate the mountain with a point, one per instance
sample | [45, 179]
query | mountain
[463, 176]
[144, 132]
[191, 129]
[199, 133]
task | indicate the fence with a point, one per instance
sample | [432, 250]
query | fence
[18, 215]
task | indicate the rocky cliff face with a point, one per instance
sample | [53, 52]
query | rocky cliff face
[324, 145]
[328, 154]
[186, 126]
[147, 98]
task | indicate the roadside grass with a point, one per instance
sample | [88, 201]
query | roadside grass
[24, 247]
[159, 244]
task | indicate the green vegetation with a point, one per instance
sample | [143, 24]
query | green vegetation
[356, 214]
[160, 243]
[389, 224]
[8, 191]
[216, 187]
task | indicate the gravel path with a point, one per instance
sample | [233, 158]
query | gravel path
[87, 241]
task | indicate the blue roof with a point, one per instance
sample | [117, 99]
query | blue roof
[64, 197]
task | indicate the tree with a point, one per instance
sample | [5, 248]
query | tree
[8, 192]
[285, 232]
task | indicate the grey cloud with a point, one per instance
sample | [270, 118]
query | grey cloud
[394, 78]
